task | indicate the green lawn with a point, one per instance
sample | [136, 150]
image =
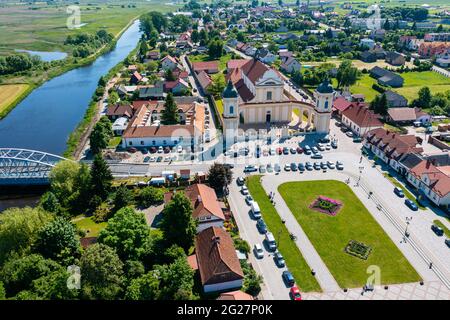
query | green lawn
[440, 224]
[114, 142]
[204, 57]
[219, 104]
[91, 228]
[413, 82]
[292, 255]
[330, 235]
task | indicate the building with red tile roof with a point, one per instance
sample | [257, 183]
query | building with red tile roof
[360, 119]
[218, 264]
[209, 67]
[235, 295]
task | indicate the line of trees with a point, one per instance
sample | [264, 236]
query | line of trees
[85, 44]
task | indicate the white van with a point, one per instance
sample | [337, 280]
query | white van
[270, 240]
[256, 212]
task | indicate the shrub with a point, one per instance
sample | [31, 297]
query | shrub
[149, 196]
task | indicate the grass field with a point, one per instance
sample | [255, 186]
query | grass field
[43, 27]
[10, 93]
[413, 82]
[330, 235]
[292, 255]
[91, 228]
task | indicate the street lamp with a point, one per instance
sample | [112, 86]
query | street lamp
[408, 219]
[360, 173]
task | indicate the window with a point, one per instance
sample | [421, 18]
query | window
[231, 109]
[153, 142]
[326, 104]
[142, 143]
[164, 142]
[269, 95]
[131, 143]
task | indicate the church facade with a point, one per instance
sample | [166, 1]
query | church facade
[255, 96]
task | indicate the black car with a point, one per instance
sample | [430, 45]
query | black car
[285, 150]
[308, 166]
[293, 151]
[288, 278]
[410, 204]
[301, 167]
[436, 229]
[293, 167]
[240, 181]
[317, 165]
[261, 225]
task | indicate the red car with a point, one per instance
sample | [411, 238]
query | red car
[295, 293]
[132, 150]
[279, 151]
[299, 150]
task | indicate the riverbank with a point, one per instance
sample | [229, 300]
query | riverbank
[35, 81]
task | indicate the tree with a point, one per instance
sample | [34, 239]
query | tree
[113, 97]
[215, 49]
[218, 85]
[2, 291]
[347, 75]
[177, 280]
[19, 229]
[149, 196]
[101, 178]
[169, 75]
[145, 287]
[170, 113]
[122, 198]
[177, 223]
[195, 37]
[53, 286]
[424, 100]
[102, 273]
[49, 202]
[379, 105]
[219, 176]
[100, 135]
[127, 232]
[19, 272]
[57, 240]
[68, 182]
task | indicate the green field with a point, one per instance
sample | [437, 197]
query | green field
[330, 235]
[43, 27]
[292, 255]
[413, 82]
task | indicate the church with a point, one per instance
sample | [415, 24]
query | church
[255, 97]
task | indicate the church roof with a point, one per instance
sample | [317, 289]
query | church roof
[325, 87]
[230, 91]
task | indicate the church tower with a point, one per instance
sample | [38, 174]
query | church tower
[230, 99]
[324, 95]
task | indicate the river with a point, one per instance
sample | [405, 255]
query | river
[44, 119]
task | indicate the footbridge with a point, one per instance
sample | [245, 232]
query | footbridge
[26, 167]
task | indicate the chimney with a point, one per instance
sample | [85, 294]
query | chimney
[215, 240]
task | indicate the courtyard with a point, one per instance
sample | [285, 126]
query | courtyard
[330, 234]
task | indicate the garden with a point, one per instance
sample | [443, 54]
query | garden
[349, 241]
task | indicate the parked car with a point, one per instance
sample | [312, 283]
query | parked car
[288, 278]
[250, 168]
[334, 144]
[357, 139]
[331, 165]
[307, 150]
[159, 159]
[272, 151]
[301, 167]
[317, 165]
[258, 250]
[438, 230]
[285, 150]
[339, 165]
[262, 169]
[269, 168]
[160, 149]
[308, 166]
[256, 212]
[153, 149]
[244, 190]
[146, 159]
[315, 150]
[447, 242]
[240, 181]
[295, 293]
[299, 150]
[179, 149]
[261, 225]
[144, 151]
[276, 167]
[152, 159]
[349, 134]
[321, 147]
[132, 150]
[287, 167]
[279, 151]
[399, 192]
[248, 199]
[293, 166]
[323, 165]
[279, 260]
[270, 241]
[292, 151]
[317, 156]
[325, 139]
[410, 204]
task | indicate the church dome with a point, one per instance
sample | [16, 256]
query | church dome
[325, 87]
[230, 91]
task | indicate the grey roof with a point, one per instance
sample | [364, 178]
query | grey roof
[394, 96]
[230, 91]
[325, 87]
[410, 160]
